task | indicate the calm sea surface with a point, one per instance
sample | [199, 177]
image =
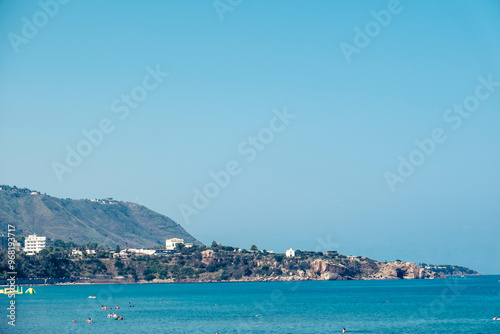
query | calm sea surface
[458, 305]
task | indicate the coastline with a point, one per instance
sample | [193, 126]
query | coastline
[189, 281]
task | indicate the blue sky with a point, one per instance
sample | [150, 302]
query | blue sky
[320, 182]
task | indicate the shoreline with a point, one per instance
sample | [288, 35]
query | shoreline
[170, 281]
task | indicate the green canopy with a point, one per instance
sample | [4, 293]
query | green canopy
[30, 291]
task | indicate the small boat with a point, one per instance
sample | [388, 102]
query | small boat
[92, 296]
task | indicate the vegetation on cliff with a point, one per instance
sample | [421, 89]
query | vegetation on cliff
[449, 270]
[205, 264]
[105, 221]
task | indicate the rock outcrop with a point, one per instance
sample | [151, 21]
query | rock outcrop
[207, 256]
[404, 270]
[359, 269]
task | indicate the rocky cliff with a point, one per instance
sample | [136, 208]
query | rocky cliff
[363, 268]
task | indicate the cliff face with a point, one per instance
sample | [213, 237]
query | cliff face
[359, 269]
[405, 270]
[222, 265]
[329, 270]
[204, 264]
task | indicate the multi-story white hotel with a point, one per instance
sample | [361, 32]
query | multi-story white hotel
[33, 244]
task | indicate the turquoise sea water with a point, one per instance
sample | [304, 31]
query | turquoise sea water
[456, 305]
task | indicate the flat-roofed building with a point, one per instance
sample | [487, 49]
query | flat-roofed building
[171, 243]
[33, 244]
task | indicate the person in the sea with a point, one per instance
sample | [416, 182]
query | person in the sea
[89, 320]
[109, 315]
[117, 307]
[121, 317]
[344, 330]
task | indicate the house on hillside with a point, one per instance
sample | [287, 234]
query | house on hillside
[170, 244]
[124, 254]
[76, 252]
[290, 253]
[142, 251]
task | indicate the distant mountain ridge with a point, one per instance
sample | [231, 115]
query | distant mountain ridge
[107, 222]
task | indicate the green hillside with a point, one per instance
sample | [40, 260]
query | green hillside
[107, 222]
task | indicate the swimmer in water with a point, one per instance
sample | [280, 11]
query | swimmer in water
[89, 320]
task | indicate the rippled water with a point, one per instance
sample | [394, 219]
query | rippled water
[459, 305]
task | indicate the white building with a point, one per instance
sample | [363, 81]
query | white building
[76, 252]
[142, 251]
[171, 243]
[33, 244]
[290, 253]
[123, 254]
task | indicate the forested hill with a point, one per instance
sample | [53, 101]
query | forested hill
[106, 222]
[449, 270]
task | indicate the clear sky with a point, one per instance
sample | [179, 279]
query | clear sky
[356, 85]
